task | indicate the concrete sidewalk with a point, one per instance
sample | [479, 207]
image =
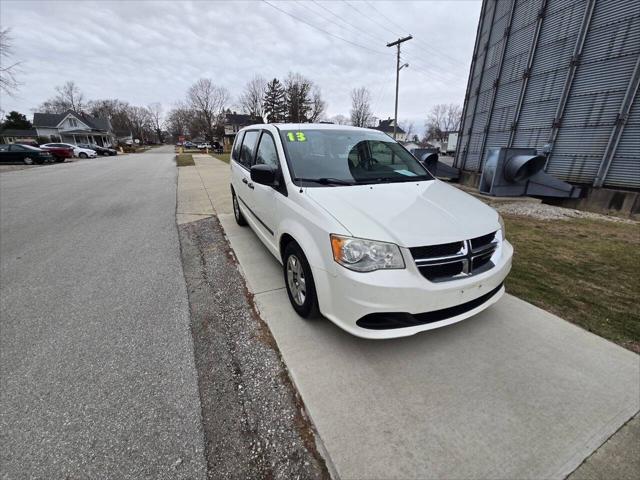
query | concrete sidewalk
[514, 392]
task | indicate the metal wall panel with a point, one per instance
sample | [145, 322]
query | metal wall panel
[593, 84]
[625, 167]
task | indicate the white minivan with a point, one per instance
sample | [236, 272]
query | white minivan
[366, 235]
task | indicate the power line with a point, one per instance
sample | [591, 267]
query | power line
[345, 22]
[323, 30]
[381, 25]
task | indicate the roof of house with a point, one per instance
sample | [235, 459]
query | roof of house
[387, 126]
[12, 132]
[54, 119]
[241, 119]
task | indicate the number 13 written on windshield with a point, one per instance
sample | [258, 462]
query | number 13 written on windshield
[296, 137]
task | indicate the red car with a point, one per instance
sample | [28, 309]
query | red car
[60, 154]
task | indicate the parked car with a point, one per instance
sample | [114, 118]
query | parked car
[98, 149]
[217, 147]
[366, 235]
[16, 153]
[202, 146]
[77, 151]
[189, 144]
[60, 154]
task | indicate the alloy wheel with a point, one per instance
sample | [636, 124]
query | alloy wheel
[296, 280]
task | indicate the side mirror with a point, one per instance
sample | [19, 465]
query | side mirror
[264, 174]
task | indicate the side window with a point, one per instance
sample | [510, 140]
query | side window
[248, 148]
[382, 153]
[267, 153]
[4, 148]
[235, 154]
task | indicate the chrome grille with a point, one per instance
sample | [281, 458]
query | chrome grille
[448, 261]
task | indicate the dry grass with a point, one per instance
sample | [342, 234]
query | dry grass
[184, 160]
[583, 270]
[221, 156]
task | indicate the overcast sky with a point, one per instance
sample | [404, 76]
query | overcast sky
[147, 51]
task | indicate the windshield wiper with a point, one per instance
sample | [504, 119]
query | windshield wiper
[326, 181]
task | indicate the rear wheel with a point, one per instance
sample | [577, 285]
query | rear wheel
[83, 155]
[58, 159]
[240, 220]
[298, 279]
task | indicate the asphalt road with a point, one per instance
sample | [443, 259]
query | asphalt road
[96, 356]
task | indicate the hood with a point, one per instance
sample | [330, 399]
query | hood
[408, 214]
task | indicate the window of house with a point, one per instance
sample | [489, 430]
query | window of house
[73, 122]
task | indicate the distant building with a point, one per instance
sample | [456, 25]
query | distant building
[16, 136]
[386, 126]
[73, 127]
[234, 122]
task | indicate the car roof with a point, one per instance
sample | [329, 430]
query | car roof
[307, 126]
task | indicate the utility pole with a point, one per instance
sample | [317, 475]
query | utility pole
[398, 68]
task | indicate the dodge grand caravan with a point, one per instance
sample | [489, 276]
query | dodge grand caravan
[366, 235]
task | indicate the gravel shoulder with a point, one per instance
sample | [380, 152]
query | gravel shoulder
[254, 421]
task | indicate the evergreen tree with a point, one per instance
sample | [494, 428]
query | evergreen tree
[274, 102]
[298, 98]
[16, 120]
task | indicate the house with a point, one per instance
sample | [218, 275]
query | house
[17, 136]
[233, 122]
[386, 126]
[73, 127]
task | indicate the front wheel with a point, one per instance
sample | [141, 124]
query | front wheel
[83, 155]
[28, 161]
[298, 279]
[240, 220]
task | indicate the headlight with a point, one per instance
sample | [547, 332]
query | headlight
[502, 229]
[365, 255]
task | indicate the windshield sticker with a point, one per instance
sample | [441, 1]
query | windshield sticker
[296, 137]
[405, 172]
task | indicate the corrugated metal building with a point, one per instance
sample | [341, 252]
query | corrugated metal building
[561, 76]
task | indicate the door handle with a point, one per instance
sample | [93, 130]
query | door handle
[250, 185]
[244, 180]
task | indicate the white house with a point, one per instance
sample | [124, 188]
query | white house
[72, 127]
[386, 126]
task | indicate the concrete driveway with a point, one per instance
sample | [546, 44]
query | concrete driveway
[514, 392]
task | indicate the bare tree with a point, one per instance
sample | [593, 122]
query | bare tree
[318, 106]
[360, 107]
[68, 97]
[157, 119]
[339, 120]
[409, 130]
[208, 101]
[140, 122]
[252, 99]
[442, 119]
[179, 121]
[8, 81]
[115, 110]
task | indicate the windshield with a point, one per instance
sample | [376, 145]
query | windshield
[349, 157]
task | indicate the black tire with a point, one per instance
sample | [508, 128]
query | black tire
[58, 159]
[297, 276]
[83, 155]
[28, 161]
[240, 220]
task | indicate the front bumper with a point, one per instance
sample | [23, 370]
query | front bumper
[345, 297]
